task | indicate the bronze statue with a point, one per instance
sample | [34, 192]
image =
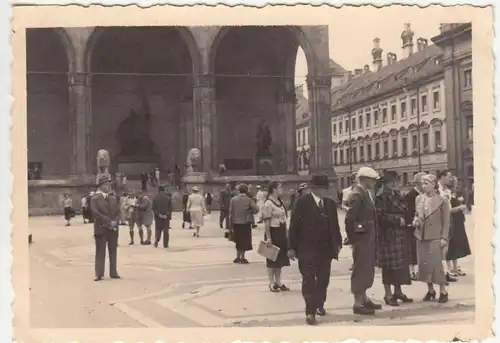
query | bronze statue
[264, 139]
[133, 133]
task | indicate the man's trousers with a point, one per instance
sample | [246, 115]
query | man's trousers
[109, 239]
[315, 280]
[162, 226]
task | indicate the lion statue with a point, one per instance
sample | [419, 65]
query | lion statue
[103, 160]
[193, 159]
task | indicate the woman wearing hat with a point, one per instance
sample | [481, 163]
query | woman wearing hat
[68, 209]
[432, 227]
[196, 208]
[393, 252]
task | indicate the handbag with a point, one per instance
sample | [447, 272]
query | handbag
[268, 251]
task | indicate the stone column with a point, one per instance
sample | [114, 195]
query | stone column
[79, 98]
[321, 131]
[288, 101]
[204, 123]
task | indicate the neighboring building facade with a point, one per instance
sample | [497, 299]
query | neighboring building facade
[456, 42]
[393, 117]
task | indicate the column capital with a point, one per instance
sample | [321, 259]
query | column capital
[321, 81]
[79, 79]
[204, 81]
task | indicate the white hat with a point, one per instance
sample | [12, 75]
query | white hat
[368, 173]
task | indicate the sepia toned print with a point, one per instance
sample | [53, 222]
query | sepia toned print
[164, 158]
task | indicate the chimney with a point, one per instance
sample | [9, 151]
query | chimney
[407, 38]
[366, 69]
[391, 58]
[358, 72]
[422, 43]
[377, 54]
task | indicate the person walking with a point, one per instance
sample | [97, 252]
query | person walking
[315, 239]
[224, 199]
[197, 210]
[123, 210]
[208, 202]
[106, 210]
[144, 217]
[186, 217]
[85, 209]
[131, 214]
[459, 243]
[361, 226]
[68, 209]
[393, 251]
[241, 210]
[274, 215]
[432, 226]
[162, 209]
[261, 199]
[409, 201]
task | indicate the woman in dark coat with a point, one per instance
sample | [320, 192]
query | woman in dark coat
[392, 252]
[458, 246]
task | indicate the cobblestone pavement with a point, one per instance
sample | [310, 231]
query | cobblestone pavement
[194, 283]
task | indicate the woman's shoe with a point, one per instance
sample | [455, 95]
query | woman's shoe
[391, 301]
[403, 298]
[194, 234]
[459, 272]
[274, 288]
[449, 278]
[443, 298]
[237, 260]
[283, 288]
[244, 261]
[431, 295]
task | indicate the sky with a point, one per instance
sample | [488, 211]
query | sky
[351, 41]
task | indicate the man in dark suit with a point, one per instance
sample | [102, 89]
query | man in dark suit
[315, 239]
[224, 200]
[162, 209]
[361, 226]
[106, 210]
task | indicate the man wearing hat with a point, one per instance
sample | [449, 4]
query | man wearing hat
[162, 210]
[106, 210]
[410, 200]
[315, 239]
[360, 225]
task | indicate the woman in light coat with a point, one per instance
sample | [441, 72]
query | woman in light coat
[432, 225]
[196, 208]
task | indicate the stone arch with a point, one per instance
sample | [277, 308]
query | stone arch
[384, 134]
[368, 138]
[436, 122]
[412, 127]
[424, 125]
[393, 132]
[300, 36]
[360, 138]
[466, 106]
[68, 45]
[375, 136]
[185, 33]
[403, 129]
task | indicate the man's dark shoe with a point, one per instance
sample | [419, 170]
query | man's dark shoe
[115, 276]
[321, 312]
[311, 320]
[363, 310]
[156, 244]
[98, 278]
[371, 305]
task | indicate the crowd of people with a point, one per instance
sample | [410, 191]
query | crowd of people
[416, 236]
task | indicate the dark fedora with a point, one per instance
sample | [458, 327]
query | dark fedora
[102, 178]
[319, 180]
[389, 176]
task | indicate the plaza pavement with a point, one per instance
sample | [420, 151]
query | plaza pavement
[194, 283]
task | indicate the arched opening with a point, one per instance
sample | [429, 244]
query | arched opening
[258, 100]
[142, 97]
[49, 122]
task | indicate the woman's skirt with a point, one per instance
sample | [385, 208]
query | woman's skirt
[279, 239]
[396, 276]
[459, 243]
[430, 265]
[242, 236]
[68, 213]
[196, 218]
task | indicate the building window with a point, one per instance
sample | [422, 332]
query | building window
[360, 122]
[354, 155]
[377, 151]
[353, 124]
[413, 107]
[341, 130]
[437, 140]
[469, 125]
[423, 101]
[335, 157]
[403, 109]
[468, 78]
[347, 125]
[361, 153]
[414, 144]
[375, 117]
[436, 100]
[425, 142]
[404, 146]
[368, 119]
[386, 149]
[341, 156]
[334, 129]
[347, 156]
[405, 179]
[394, 147]
[384, 115]
[369, 151]
[393, 112]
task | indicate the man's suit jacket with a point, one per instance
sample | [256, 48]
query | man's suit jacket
[305, 227]
[225, 198]
[362, 212]
[105, 211]
[410, 200]
[162, 204]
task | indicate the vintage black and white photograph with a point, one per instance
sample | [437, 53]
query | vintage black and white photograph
[253, 175]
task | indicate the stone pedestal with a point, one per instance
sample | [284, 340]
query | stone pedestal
[264, 164]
